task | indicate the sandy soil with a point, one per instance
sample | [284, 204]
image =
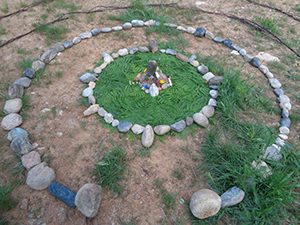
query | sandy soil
[84, 140]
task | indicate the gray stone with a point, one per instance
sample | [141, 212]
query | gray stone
[107, 58]
[48, 55]
[105, 30]
[278, 91]
[285, 113]
[91, 99]
[114, 55]
[137, 23]
[15, 91]
[108, 117]
[285, 122]
[38, 65]
[212, 102]
[124, 126]
[58, 47]
[17, 132]
[218, 39]
[162, 129]
[280, 142]
[102, 112]
[243, 52]
[217, 80]
[232, 196]
[213, 93]
[171, 52]
[133, 50]
[88, 199]
[284, 130]
[202, 69]
[201, 119]
[205, 203]
[21, 145]
[11, 121]
[255, 62]
[87, 77]
[23, 81]
[95, 31]
[275, 83]
[76, 40]
[228, 43]
[143, 49]
[248, 57]
[189, 121]
[85, 35]
[123, 52]
[150, 23]
[178, 126]
[273, 153]
[12, 106]
[115, 123]
[40, 177]
[117, 28]
[200, 32]
[269, 75]
[192, 58]
[214, 87]
[68, 44]
[29, 72]
[127, 26]
[87, 92]
[137, 129]
[208, 111]
[91, 110]
[208, 76]
[147, 137]
[31, 159]
[236, 47]
[263, 69]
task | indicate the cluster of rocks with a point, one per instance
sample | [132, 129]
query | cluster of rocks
[203, 203]
[148, 132]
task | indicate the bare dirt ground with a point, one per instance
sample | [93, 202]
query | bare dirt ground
[72, 144]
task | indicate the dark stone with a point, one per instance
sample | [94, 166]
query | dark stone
[68, 44]
[178, 126]
[23, 81]
[278, 91]
[200, 32]
[218, 39]
[21, 145]
[255, 62]
[124, 126]
[62, 193]
[214, 87]
[15, 91]
[285, 113]
[285, 122]
[95, 31]
[228, 43]
[215, 80]
[17, 133]
[29, 72]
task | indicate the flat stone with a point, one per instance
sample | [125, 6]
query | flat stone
[95, 31]
[92, 84]
[117, 28]
[88, 199]
[208, 76]
[123, 52]
[280, 142]
[105, 30]
[85, 35]
[107, 59]
[283, 98]
[102, 112]
[228, 43]
[266, 57]
[214, 87]
[15, 91]
[38, 65]
[232, 196]
[17, 132]
[213, 93]
[243, 52]
[98, 70]
[195, 63]
[21, 145]
[137, 129]
[114, 55]
[76, 40]
[172, 25]
[11, 121]
[200, 32]
[202, 69]
[272, 153]
[278, 91]
[62, 193]
[58, 47]
[171, 52]
[40, 177]
[12, 106]
[284, 130]
[212, 102]
[127, 26]
[23, 81]
[262, 167]
[189, 121]
[29, 72]
[137, 23]
[182, 57]
[91, 99]
[87, 92]
[217, 80]
[275, 83]
[285, 105]
[147, 137]
[255, 62]
[143, 49]
[208, 111]
[87, 77]
[31, 159]
[218, 39]
[205, 203]
[48, 55]
[285, 122]
[201, 119]
[178, 126]
[162, 129]
[91, 110]
[115, 123]
[68, 44]
[108, 117]
[124, 126]
[283, 137]
[149, 23]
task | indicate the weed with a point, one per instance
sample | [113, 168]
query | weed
[2, 31]
[22, 51]
[83, 102]
[44, 17]
[26, 105]
[6, 201]
[52, 33]
[268, 23]
[178, 42]
[4, 7]
[178, 174]
[110, 169]
[38, 76]
[168, 199]
[297, 8]
[59, 74]
[144, 152]
[90, 17]
[62, 4]
[25, 63]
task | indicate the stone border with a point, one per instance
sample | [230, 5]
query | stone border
[200, 118]
[40, 176]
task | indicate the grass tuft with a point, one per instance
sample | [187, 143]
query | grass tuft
[51, 32]
[6, 201]
[268, 23]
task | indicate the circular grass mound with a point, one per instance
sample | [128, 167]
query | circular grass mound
[113, 91]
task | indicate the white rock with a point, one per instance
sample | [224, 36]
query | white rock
[12, 106]
[234, 52]
[284, 130]
[91, 110]
[154, 90]
[87, 92]
[98, 70]
[262, 167]
[213, 93]
[115, 123]
[148, 137]
[263, 69]
[31, 159]
[181, 28]
[266, 57]
[137, 129]
[200, 119]
[208, 111]
[123, 52]
[150, 23]
[117, 28]
[208, 76]
[191, 30]
[102, 112]
[92, 84]
[11, 121]
[108, 117]
[162, 129]
[40, 177]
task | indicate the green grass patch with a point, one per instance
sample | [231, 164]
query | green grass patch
[2, 31]
[4, 7]
[110, 169]
[52, 33]
[297, 8]
[268, 23]
[6, 201]
[25, 63]
[66, 5]
[167, 198]
[188, 94]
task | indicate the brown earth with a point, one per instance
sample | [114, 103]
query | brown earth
[84, 140]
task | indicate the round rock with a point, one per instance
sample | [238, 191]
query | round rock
[178, 126]
[137, 129]
[11, 121]
[108, 117]
[148, 137]
[40, 177]
[21, 145]
[87, 92]
[205, 203]
[17, 132]
[124, 126]
[115, 123]
[200, 119]
[31, 159]
[12, 106]
[15, 91]
[208, 111]
[162, 129]
[88, 199]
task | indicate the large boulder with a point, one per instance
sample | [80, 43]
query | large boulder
[40, 177]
